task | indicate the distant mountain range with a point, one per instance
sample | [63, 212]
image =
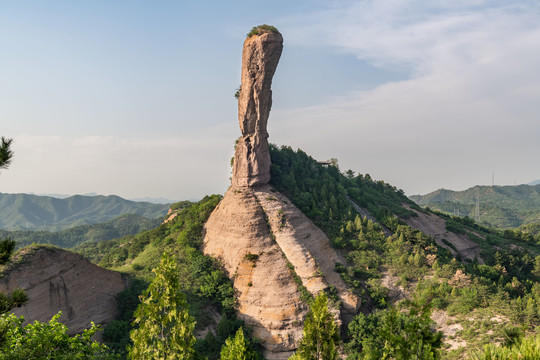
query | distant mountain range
[121, 226]
[33, 212]
[535, 182]
[499, 206]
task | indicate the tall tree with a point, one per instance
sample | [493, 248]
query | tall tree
[165, 327]
[5, 152]
[321, 336]
[237, 348]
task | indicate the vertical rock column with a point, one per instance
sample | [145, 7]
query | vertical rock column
[260, 58]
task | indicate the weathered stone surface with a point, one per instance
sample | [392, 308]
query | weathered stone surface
[59, 280]
[260, 222]
[262, 239]
[260, 57]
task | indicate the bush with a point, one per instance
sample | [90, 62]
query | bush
[6, 250]
[261, 29]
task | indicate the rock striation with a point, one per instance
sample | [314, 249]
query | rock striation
[59, 280]
[273, 253]
[260, 58]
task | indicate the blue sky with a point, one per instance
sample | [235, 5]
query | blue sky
[135, 98]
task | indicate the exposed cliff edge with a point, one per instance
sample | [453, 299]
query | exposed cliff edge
[270, 249]
[59, 280]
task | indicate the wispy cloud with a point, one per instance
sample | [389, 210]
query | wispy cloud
[469, 107]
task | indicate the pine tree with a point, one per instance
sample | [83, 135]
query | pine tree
[165, 327]
[237, 348]
[5, 152]
[320, 333]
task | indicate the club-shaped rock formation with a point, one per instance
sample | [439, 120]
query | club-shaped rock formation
[273, 253]
[260, 58]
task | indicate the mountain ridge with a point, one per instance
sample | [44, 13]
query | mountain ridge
[33, 212]
[499, 206]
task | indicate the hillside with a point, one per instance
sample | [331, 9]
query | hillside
[116, 228]
[472, 303]
[32, 212]
[499, 206]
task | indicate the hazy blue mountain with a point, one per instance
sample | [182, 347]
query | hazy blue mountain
[535, 182]
[499, 206]
[123, 225]
[33, 212]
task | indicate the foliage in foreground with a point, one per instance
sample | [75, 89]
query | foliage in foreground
[6, 154]
[47, 341]
[165, 327]
[526, 349]
[394, 334]
[320, 336]
[238, 348]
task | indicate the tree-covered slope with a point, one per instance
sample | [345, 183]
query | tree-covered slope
[116, 228]
[497, 301]
[499, 206]
[32, 212]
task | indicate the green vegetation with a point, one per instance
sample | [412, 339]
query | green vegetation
[47, 341]
[6, 154]
[31, 212]
[476, 295]
[261, 29]
[7, 246]
[238, 348]
[320, 336]
[203, 282]
[526, 349]
[393, 334]
[500, 206]
[121, 226]
[165, 328]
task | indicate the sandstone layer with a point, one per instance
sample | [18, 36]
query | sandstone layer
[59, 280]
[260, 58]
[264, 241]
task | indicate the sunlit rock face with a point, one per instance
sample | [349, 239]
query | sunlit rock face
[264, 242]
[260, 58]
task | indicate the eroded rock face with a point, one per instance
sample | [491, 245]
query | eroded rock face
[260, 58]
[59, 280]
[263, 241]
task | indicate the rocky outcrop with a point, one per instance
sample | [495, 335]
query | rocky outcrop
[59, 280]
[273, 253]
[260, 58]
[264, 242]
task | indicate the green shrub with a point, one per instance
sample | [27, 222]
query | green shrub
[261, 29]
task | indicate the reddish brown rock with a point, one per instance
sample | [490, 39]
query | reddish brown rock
[260, 58]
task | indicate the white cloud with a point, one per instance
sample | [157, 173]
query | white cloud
[469, 108]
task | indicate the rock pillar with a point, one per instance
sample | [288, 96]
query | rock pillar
[260, 58]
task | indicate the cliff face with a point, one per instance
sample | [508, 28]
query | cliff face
[260, 58]
[58, 280]
[265, 243]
